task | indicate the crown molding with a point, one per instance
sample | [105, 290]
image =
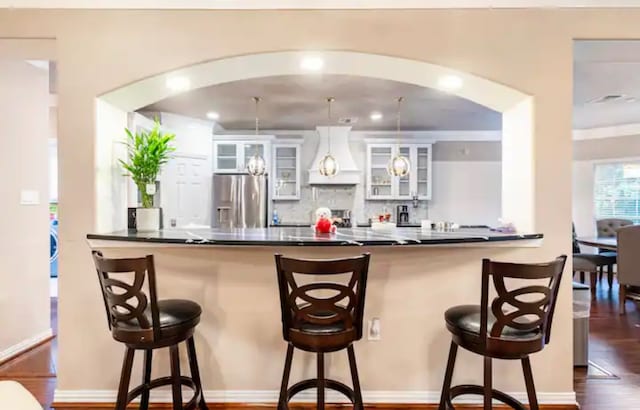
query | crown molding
[313, 4]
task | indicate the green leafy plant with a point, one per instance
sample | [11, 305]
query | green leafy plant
[147, 152]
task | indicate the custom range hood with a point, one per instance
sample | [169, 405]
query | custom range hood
[348, 173]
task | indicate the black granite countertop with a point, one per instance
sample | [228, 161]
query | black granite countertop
[305, 236]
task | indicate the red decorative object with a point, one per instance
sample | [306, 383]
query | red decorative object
[324, 225]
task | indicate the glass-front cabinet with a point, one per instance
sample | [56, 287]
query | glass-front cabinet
[379, 182]
[382, 186]
[232, 156]
[285, 177]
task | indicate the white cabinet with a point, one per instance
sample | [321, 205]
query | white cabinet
[382, 186]
[231, 156]
[285, 175]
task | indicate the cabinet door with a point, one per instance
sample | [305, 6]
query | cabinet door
[423, 171]
[379, 182]
[404, 189]
[250, 149]
[226, 155]
[286, 172]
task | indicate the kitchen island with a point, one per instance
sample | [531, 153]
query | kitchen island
[414, 277]
[305, 236]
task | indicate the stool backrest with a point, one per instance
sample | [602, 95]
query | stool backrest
[525, 308]
[125, 302]
[345, 305]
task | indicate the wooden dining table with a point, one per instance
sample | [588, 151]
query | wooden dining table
[610, 244]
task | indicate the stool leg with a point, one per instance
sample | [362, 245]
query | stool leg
[528, 380]
[176, 387]
[282, 401]
[487, 383]
[446, 385]
[125, 378]
[146, 379]
[581, 277]
[357, 392]
[592, 277]
[321, 380]
[195, 371]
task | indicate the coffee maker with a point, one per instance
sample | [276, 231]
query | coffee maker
[402, 215]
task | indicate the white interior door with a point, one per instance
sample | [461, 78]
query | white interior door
[186, 191]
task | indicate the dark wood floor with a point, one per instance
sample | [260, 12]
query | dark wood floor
[614, 349]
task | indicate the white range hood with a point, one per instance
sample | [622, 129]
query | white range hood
[348, 173]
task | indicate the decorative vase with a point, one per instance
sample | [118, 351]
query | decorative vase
[147, 219]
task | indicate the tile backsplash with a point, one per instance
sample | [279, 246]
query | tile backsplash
[342, 197]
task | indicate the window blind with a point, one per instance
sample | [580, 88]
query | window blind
[617, 191]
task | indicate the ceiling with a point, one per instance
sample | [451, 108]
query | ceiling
[298, 102]
[311, 4]
[601, 69]
[606, 93]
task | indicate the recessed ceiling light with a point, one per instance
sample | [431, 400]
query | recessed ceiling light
[178, 83]
[212, 115]
[375, 116]
[312, 63]
[450, 82]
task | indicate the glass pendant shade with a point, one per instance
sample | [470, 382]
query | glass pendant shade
[328, 166]
[399, 166]
[256, 166]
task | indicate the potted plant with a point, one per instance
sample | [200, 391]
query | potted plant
[147, 152]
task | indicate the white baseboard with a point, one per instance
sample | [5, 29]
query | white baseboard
[25, 345]
[271, 396]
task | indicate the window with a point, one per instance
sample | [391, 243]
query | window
[617, 191]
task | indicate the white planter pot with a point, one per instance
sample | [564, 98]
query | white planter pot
[147, 219]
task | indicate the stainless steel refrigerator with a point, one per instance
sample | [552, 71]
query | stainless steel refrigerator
[239, 201]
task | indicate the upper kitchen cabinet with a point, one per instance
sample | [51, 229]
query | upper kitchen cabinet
[231, 153]
[382, 186]
[286, 171]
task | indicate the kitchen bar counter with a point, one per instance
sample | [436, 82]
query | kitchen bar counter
[304, 236]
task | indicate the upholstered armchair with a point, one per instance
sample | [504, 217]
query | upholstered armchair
[628, 264]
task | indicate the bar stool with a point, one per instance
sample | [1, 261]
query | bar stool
[321, 317]
[142, 322]
[507, 331]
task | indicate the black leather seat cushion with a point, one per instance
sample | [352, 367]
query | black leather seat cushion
[465, 319]
[175, 312]
[172, 312]
[323, 329]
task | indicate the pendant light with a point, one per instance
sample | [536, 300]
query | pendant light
[399, 165]
[256, 165]
[328, 164]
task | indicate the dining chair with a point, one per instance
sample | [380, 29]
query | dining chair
[628, 263]
[591, 263]
[607, 228]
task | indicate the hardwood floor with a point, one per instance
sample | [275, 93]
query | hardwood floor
[614, 348]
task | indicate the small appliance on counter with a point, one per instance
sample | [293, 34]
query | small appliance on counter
[402, 215]
[341, 218]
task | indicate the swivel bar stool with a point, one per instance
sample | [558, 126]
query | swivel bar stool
[142, 322]
[321, 317]
[518, 324]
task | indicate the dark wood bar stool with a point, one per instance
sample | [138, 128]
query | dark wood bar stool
[321, 317]
[142, 322]
[515, 325]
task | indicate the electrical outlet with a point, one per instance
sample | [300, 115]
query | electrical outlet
[374, 329]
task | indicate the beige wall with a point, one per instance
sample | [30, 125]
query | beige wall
[24, 243]
[100, 51]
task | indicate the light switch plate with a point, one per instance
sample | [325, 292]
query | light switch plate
[29, 197]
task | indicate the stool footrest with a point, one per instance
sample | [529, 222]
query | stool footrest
[502, 397]
[329, 384]
[167, 381]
